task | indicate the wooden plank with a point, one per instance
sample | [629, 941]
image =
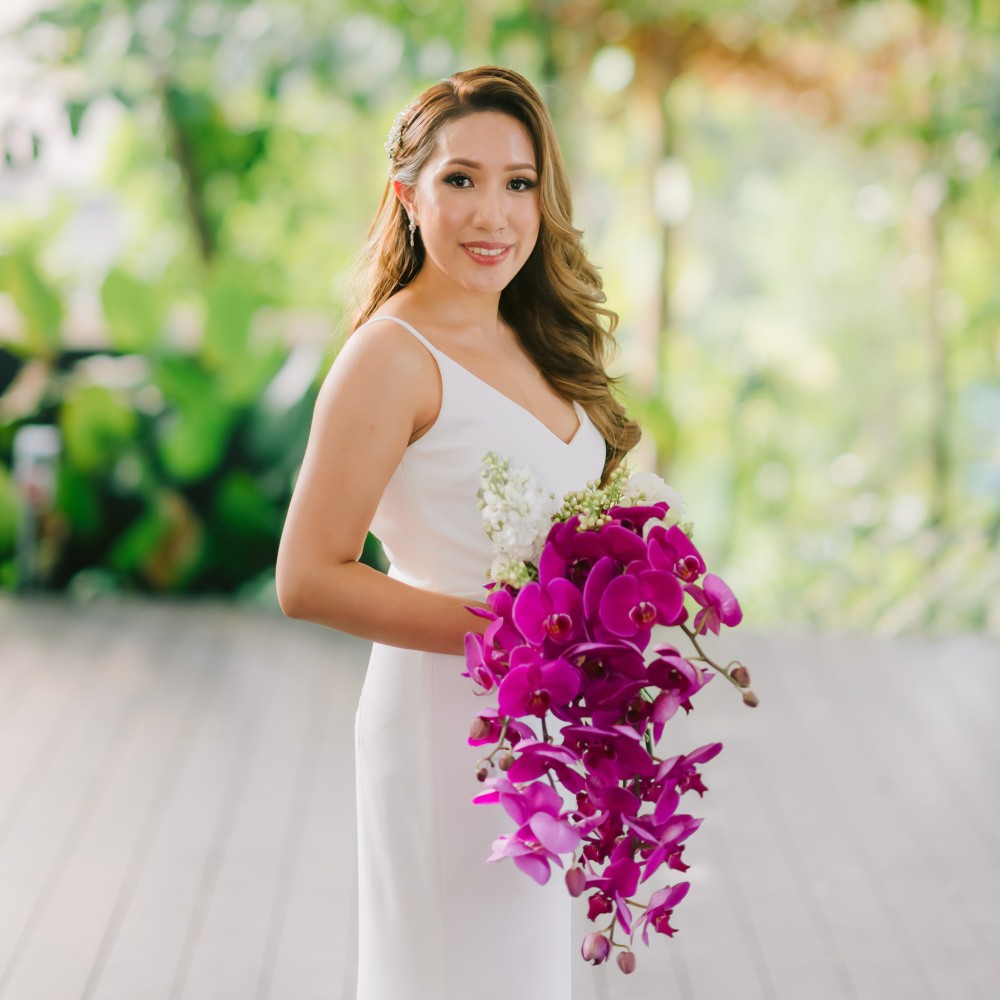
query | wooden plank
[158, 936]
[849, 848]
[232, 942]
[853, 738]
[45, 833]
[42, 703]
[915, 817]
[111, 848]
[316, 944]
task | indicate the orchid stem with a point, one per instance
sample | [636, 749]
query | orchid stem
[704, 658]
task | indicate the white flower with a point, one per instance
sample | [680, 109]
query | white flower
[649, 488]
[514, 574]
[517, 514]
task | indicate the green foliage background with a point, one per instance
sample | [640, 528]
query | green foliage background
[795, 207]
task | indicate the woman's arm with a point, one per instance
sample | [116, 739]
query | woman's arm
[381, 393]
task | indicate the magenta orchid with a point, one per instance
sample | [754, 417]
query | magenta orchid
[579, 707]
[718, 605]
[552, 612]
[534, 685]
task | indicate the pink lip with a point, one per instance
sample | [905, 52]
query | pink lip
[487, 261]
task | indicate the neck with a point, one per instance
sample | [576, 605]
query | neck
[452, 306]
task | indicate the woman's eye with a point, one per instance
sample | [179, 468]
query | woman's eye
[458, 180]
[522, 184]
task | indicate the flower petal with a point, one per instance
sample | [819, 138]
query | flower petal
[554, 834]
[535, 866]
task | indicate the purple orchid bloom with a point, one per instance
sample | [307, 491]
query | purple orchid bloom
[679, 680]
[670, 549]
[619, 882]
[615, 753]
[527, 852]
[660, 841]
[536, 758]
[488, 725]
[635, 518]
[502, 634]
[479, 663]
[535, 685]
[571, 553]
[602, 839]
[598, 904]
[601, 660]
[614, 675]
[543, 833]
[718, 605]
[661, 908]
[551, 612]
[611, 798]
[633, 603]
[681, 773]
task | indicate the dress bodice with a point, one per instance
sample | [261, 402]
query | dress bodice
[428, 519]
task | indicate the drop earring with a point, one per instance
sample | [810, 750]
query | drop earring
[413, 229]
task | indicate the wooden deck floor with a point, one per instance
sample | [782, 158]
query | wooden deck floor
[177, 818]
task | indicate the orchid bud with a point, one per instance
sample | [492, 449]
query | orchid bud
[576, 881]
[481, 774]
[741, 675]
[596, 948]
[626, 962]
[506, 762]
[750, 699]
[480, 729]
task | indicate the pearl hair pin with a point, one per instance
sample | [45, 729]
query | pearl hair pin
[395, 138]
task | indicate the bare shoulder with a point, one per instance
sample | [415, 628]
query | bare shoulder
[383, 363]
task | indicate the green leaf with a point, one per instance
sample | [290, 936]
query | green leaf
[76, 110]
[78, 499]
[37, 302]
[10, 511]
[163, 545]
[130, 553]
[231, 305]
[242, 507]
[193, 440]
[133, 310]
[194, 435]
[243, 383]
[96, 424]
[182, 380]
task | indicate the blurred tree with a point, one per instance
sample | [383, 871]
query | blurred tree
[795, 204]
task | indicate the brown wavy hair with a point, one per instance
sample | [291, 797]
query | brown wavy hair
[555, 303]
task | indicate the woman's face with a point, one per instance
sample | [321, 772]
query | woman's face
[476, 201]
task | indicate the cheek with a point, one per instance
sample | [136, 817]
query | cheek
[529, 216]
[440, 214]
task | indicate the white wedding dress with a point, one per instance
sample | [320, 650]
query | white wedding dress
[435, 921]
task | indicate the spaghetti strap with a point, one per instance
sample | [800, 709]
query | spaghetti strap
[402, 322]
[470, 382]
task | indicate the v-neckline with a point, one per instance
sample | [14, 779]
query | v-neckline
[513, 402]
[577, 409]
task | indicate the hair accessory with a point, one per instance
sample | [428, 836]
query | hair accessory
[395, 137]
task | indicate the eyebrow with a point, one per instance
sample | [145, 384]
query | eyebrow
[458, 162]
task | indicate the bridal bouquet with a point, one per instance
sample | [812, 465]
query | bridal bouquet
[576, 588]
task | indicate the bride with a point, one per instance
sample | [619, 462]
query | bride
[481, 328]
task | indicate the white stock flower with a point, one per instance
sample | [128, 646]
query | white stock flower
[649, 488]
[517, 513]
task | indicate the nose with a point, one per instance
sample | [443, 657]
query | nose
[491, 210]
